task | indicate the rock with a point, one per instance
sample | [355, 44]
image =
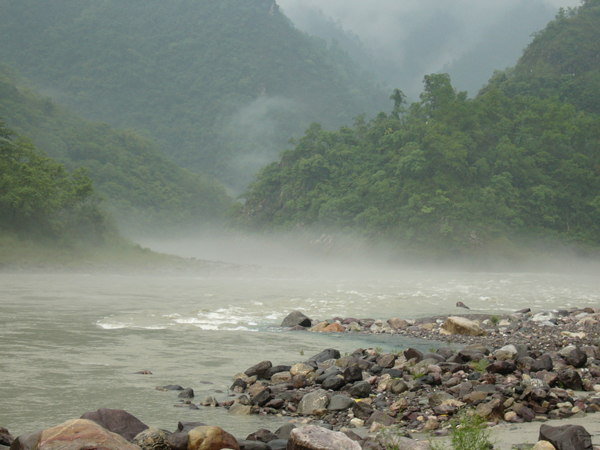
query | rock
[566, 437]
[170, 387]
[313, 401]
[262, 435]
[239, 409]
[186, 393]
[397, 324]
[209, 401]
[460, 325]
[296, 318]
[76, 435]
[117, 421]
[262, 398]
[461, 305]
[399, 386]
[362, 410]
[278, 444]
[333, 328]
[340, 403]
[276, 369]
[301, 369]
[260, 369]
[317, 438]
[319, 327]
[152, 439]
[283, 432]
[502, 367]
[360, 389]
[325, 355]
[5, 437]
[211, 438]
[543, 445]
[491, 411]
[397, 442]
[386, 361]
[506, 352]
[353, 373]
[544, 362]
[570, 379]
[281, 378]
[253, 445]
[334, 383]
[412, 353]
[576, 358]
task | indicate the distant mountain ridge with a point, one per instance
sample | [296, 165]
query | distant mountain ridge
[219, 85]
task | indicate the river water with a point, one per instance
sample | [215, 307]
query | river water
[71, 343]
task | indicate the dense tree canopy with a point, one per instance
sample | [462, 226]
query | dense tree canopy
[220, 85]
[39, 197]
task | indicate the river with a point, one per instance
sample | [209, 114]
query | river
[72, 343]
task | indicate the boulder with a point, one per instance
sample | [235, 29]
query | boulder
[301, 369]
[340, 403]
[543, 445]
[360, 389]
[283, 432]
[325, 355]
[319, 327]
[211, 438]
[5, 437]
[566, 437]
[260, 369]
[397, 324]
[296, 318]
[313, 401]
[152, 439]
[570, 379]
[186, 393]
[576, 358]
[239, 409]
[74, 435]
[334, 383]
[333, 328]
[312, 437]
[460, 325]
[262, 435]
[353, 373]
[117, 421]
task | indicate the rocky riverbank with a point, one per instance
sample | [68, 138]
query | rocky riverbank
[522, 368]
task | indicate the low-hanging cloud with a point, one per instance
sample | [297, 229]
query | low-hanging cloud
[412, 38]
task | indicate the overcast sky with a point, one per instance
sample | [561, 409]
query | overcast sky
[416, 37]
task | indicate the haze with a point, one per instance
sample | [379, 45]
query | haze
[467, 38]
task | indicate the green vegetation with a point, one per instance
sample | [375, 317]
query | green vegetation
[143, 190]
[39, 197]
[449, 174]
[219, 85]
[468, 433]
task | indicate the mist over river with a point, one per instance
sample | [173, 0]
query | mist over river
[71, 343]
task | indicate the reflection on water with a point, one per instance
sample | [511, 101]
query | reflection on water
[72, 343]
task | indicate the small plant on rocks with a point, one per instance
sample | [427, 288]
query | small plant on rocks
[468, 433]
[494, 319]
[479, 366]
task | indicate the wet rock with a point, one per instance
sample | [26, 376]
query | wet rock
[325, 355]
[170, 387]
[333, 328]
[186, 393]
[461, 305]
[460, 325]
[253, 445]
[117, 421]
[262, 398]
[283, 432]
[211, 438]
[259, 370]
[566, 437]
[278, 444]
[313, 401]
[296, 318]
[317, 438]
[152, 439]
[239, 409]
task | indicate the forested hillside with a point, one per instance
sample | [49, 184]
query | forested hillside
[219, 85]
[143, 190]
[452, 173]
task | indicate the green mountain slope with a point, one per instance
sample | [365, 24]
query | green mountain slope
[455, 174]
[220, 85]
[563, 60]
[142, 189]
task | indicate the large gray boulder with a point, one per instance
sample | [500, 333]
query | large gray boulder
[566, 437]
[312, 437]
[313, 401]
[296, 318]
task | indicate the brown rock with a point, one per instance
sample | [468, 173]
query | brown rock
[117, 421]
[460, 325]
[397, 324]
[211, 438]
[491, 411]
[333, 328]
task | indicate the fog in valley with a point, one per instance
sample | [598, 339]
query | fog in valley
[405, 40]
